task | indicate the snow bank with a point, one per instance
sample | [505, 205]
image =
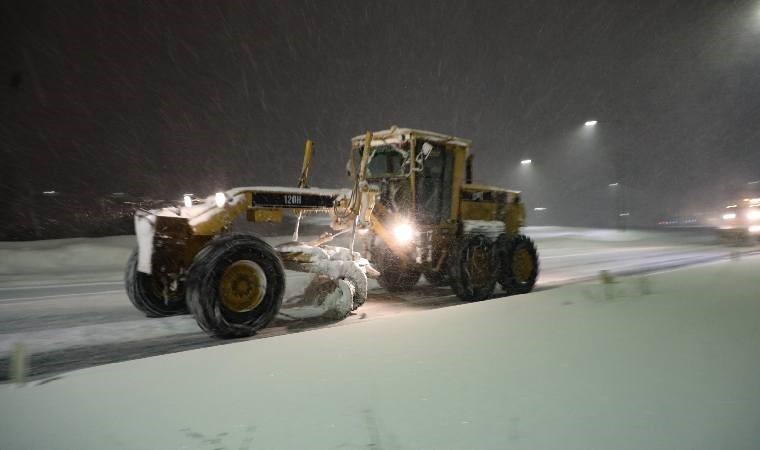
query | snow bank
[111, 253]
[63, 255]
[610, 235]
[76, 255]
[672, 361]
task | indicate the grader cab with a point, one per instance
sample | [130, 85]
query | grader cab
[430, 218]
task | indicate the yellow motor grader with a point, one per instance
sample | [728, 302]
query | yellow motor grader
[412, 200]
[430, 218]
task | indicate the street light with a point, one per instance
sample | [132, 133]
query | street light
[621, 209]
[616, 188]
[526, 162]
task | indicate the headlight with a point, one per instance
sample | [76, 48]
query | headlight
[753, 214]
[403, 232]
[220, 199]
[188, 199]
[729, 216]
[754, 229]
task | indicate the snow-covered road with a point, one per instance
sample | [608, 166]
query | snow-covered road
[673, 363]
[65, 301]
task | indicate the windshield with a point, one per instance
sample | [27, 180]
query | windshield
[385, 161]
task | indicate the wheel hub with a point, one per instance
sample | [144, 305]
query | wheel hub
[522, 265]
[243, 286]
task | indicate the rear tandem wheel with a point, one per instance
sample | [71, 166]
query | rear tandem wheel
[471, 268]
[518, 263]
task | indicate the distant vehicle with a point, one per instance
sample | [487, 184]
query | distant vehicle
[741, 219]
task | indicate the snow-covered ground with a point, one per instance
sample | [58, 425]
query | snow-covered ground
[668, 360]
[67, 294]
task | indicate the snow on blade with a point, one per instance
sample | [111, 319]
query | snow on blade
[343, 273]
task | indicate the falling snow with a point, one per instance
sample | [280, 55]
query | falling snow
[156, 99]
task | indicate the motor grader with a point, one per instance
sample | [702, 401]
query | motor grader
[430, 218]
[412, 200]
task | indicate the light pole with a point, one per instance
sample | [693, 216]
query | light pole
[621, 211]
[621, 214]
[539, 213]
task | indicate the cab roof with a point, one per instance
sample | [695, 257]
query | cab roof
[397, 135]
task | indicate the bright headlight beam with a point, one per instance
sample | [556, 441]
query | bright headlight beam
[729, 216]
[590, 123]
[188, 200]
[526, 162]
[753, 214]
[220, 199]
[403, 232]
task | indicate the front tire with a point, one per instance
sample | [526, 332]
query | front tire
[235, 286]
[151, 296]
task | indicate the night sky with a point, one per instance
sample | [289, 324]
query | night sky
[174, 96]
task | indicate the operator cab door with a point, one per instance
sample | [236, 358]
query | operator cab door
[433, 182]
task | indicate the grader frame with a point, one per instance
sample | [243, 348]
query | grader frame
[187, 260]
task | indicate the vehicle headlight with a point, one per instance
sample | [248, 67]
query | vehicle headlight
[753, 214]
[729, 216]
[403, 232]
[754, 229]
[220, 198]
[188, 199]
